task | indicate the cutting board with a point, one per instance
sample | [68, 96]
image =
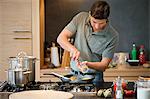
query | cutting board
[41, 94]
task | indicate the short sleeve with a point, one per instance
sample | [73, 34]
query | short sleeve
[72, 26]
[111, 47]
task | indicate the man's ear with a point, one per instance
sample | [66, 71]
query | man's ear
[107, 21]
[89, 13]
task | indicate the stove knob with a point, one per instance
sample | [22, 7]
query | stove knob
[78, 90]
[42, 87]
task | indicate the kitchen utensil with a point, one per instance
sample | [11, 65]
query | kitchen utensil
[41, 94]
[63, 78]
[22, 61]
[67, 78]
[18, 77]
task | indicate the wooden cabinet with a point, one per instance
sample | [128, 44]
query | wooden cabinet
[130, 73]
[15, 30]
[127, 72]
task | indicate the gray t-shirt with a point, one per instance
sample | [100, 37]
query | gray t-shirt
[93, 46]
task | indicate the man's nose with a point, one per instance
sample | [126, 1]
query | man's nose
[97, 26]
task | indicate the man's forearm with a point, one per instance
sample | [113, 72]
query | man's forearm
[100, 66]
[97, 66]
[64, 43]
[63, 40]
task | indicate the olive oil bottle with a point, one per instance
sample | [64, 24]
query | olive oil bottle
[134, 52]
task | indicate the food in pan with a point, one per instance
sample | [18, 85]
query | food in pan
[72, 78]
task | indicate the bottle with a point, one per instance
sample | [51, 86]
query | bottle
[119, 91]
[142, 55]
[134, 52]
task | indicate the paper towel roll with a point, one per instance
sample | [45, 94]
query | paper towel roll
[55, 56]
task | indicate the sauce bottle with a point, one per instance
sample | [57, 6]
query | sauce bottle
[142, 55]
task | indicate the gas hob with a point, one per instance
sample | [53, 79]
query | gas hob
[58, 86]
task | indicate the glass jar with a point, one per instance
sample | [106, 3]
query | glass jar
[143, 89]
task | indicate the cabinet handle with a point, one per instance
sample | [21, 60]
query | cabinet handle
[22, 31]
[22, 38]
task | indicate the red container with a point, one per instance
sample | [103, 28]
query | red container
[124, 86]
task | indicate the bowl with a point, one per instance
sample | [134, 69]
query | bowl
[133, 62]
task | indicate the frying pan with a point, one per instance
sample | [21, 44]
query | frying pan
[67, 78]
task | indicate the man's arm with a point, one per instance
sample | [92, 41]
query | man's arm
[63, 38]
[100, 66]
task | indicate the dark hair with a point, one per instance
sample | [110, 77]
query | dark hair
[100, 10]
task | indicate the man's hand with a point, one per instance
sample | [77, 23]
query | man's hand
[82, 66]
[74, 54]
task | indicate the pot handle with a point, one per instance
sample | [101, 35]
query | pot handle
[27, 72]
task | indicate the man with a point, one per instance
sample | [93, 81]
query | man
[95, 40]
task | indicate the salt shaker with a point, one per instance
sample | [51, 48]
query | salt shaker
[119, 94]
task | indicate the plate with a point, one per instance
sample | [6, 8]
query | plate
[41, 94]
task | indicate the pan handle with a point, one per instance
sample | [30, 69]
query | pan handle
[58, 75]
[63, 79]
[27, 72]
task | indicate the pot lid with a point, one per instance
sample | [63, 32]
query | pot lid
[31, 57]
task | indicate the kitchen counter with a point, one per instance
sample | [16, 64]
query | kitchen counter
[82, 95]
[130, 73]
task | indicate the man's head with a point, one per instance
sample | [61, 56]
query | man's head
[99, 14]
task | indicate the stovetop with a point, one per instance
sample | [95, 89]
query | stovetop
[59, 86]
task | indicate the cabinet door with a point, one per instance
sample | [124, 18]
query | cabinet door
[15, 30]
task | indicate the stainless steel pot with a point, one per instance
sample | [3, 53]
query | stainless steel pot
[27, 62]
[18, 77]
[13, 63]
[24, 62]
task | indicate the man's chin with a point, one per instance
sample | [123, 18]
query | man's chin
[98, 30]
